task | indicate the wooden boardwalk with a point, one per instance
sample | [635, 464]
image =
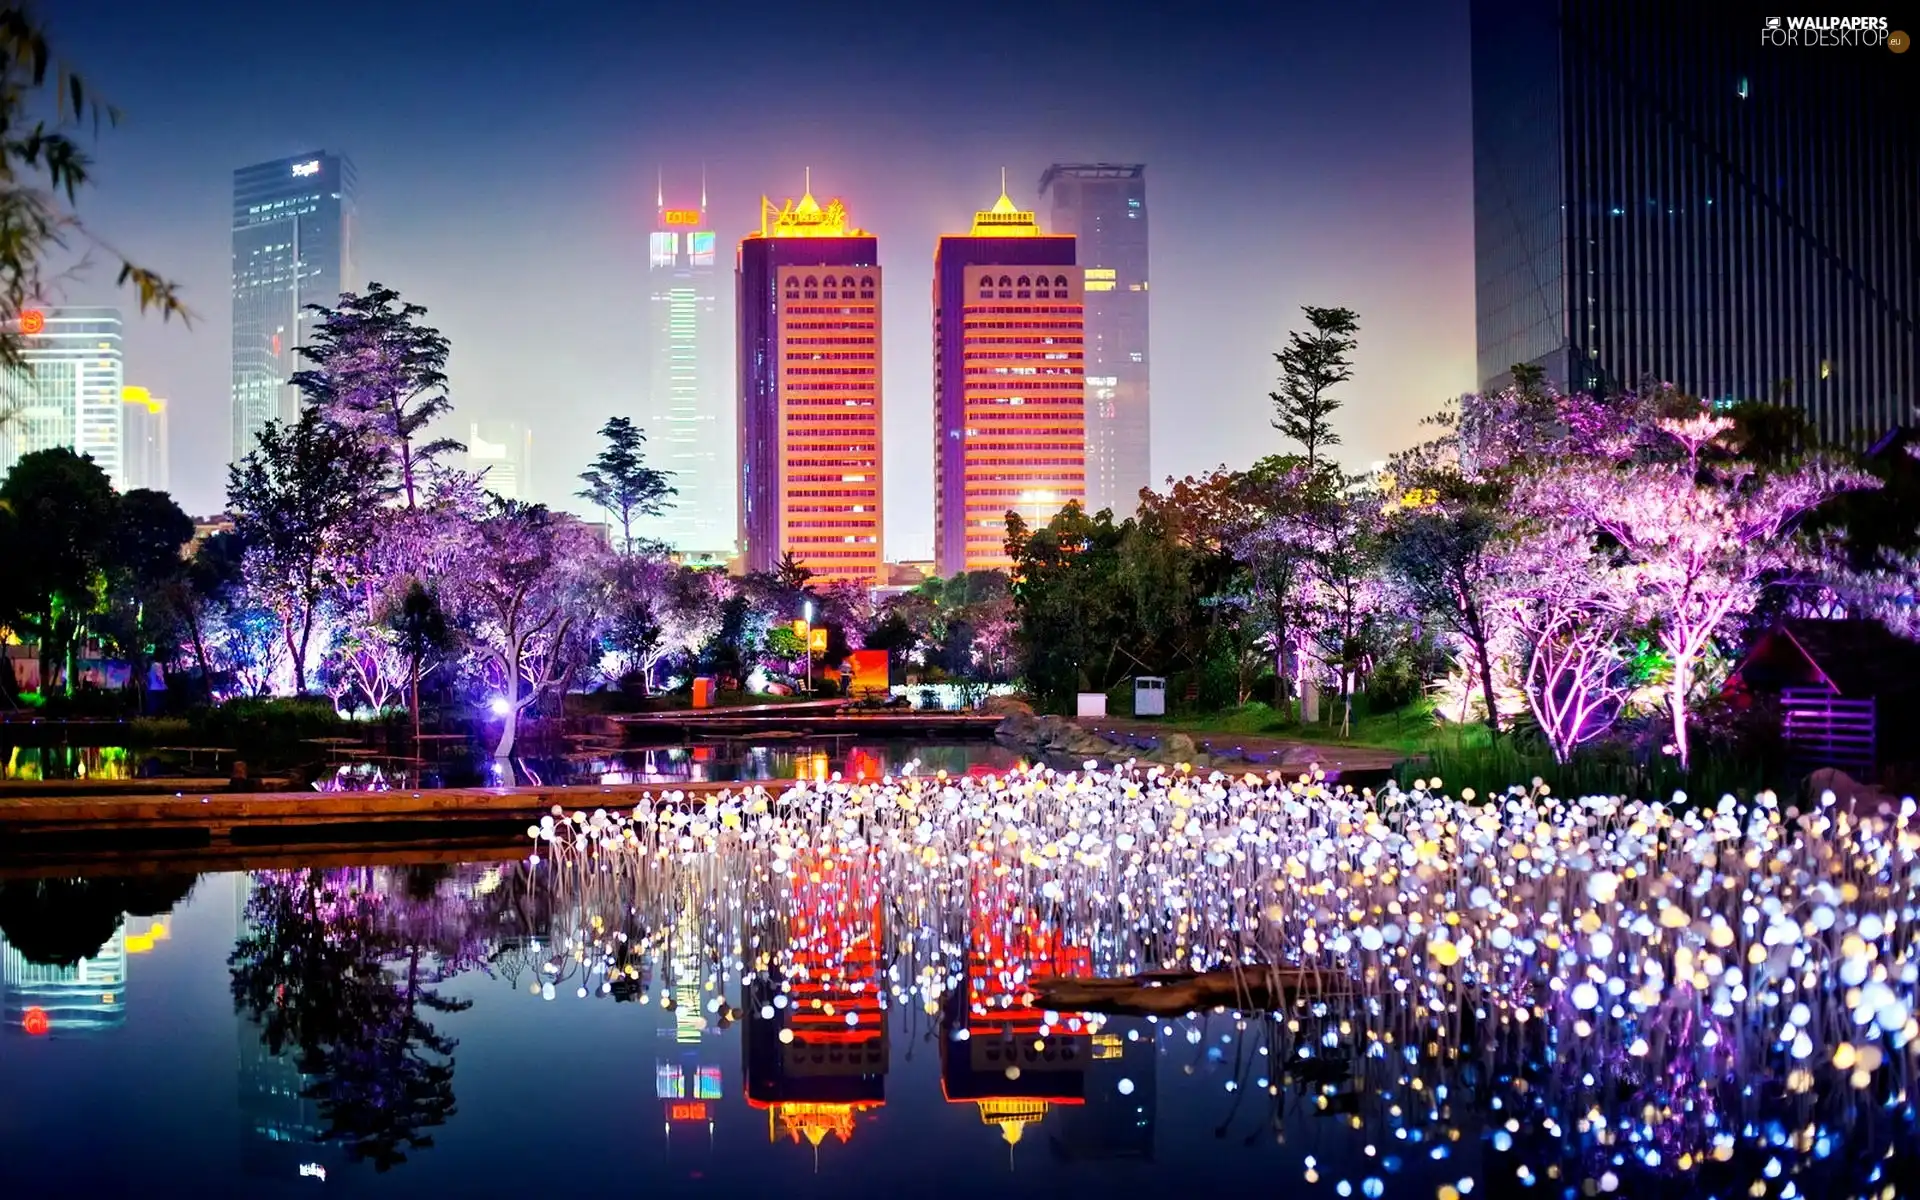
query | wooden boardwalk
[279, 816]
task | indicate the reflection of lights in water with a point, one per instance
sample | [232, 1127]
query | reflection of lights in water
[1593, 988]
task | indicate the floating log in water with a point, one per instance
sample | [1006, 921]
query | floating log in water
[1171, 994]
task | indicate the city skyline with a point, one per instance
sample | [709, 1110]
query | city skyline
[495, 246]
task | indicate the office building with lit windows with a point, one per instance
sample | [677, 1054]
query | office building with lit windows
[689, 419]
[1104, 205]
[809, 393]
[293, 243]
[66, 391]
[1009, 400]
[1673, 193]
[143, 439]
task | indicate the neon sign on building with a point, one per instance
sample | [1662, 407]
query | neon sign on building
[302, 170]
[679, 216]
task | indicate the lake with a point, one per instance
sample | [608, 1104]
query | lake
[720, 760]
[829, 994]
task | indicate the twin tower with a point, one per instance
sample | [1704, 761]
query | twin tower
[1009, 393]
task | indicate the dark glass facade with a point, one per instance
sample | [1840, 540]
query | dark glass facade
[1104, 205]
[1661, 193]
[293, 242]
[758, 378]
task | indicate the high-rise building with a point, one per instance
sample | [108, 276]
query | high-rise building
[1666, 192]
[809, 392]
[501, 453]
[143, 439]
[293, 243]
[66, 392]
[1009, 400]
[689, 422]
[1104, 205]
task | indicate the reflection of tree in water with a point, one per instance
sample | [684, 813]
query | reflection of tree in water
[58, 922]
[342, 968]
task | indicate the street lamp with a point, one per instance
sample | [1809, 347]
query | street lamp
[806, 644]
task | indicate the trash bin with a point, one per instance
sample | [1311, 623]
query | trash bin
[703, 691]
[1092, 704]
[1150, 696]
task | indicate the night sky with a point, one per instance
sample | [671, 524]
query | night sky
[1297, 153]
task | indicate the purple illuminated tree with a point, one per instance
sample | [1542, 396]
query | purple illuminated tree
[1695, 540]
[1570, 615]
[300, 501]
[380, 372]
[518, 585]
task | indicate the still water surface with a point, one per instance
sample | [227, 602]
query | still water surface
[511, 1028]
[722, 761]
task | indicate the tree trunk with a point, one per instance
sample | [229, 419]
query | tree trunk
[1486, 684]
[413, 699]
[512, 724]
[199, 648]
[1677, 701]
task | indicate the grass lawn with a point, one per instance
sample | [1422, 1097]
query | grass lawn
[1411, 729]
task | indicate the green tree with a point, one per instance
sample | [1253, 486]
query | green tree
[56, 543]
[420, 626]
[378, 370]
[1071, 604]
[792, 573]
[300, 499]
[42, 170]
[621, 482]
[1310, 367]
[143, 566]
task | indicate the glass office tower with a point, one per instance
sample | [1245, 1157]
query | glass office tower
[293, 240]
[1685, 194]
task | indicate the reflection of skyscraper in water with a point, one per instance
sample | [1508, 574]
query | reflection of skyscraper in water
[87, 997]
[688, 1088]
[281, 1129]
[997, 1051]
[1121, 1097]
[815, 1040]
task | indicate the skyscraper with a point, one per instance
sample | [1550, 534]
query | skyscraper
[809, 389]
[501, 452]
[143, 439]
[1105, 206]
[1668, 192]
[293, 241]
[1009, 399]
[689, 424]
[66, 392]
